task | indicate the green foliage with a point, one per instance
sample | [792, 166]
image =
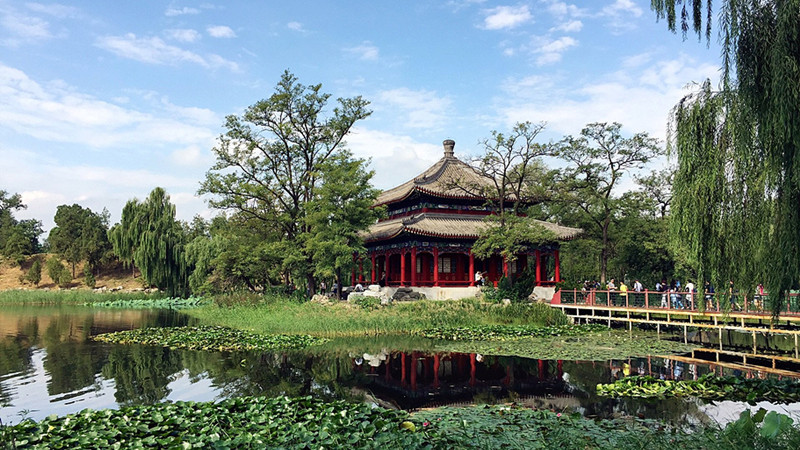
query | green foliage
[282, 315]
[243, 422]
[271, 164]
[368, 303]
[79, 235]
[18, 238]
[138, 303]
[149, 237]
[509, 235]
[208, 338]
[740, 148]
[88, 277]
[503, 332]
[596, 162]
[57, 272]
[34, 274]
[77, 297]
[708, 387]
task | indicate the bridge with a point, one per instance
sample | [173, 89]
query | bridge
[685, 310]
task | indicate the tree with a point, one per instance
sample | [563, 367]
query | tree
[57, 272]
[739, 147]
[341, 208]
[18, 238]
[507, 173]
[149, 237]
[596, 162]
[79, 235]
[34, 274]
[269, 164]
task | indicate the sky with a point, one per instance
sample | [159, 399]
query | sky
[102, 101]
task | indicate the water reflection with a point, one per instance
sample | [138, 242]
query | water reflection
[48, 366]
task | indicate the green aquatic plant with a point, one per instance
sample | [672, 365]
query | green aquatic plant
[139, 303]
[707, 387]
[208, 338]
[502, 332]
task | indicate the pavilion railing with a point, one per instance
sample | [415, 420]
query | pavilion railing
[677, 301]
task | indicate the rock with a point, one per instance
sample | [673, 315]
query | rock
[374, 288]
[506, 302]
[321, 299]
[403, 290]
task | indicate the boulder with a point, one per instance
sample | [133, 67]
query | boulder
[374, 287]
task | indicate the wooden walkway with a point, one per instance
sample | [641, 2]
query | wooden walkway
[718, 312]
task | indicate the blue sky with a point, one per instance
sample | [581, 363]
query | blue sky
[100, 102]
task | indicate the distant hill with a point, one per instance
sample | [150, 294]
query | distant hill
[113, 276]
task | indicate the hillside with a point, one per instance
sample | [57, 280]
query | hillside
[110, 277]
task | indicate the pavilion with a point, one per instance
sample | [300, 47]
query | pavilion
[431, 225]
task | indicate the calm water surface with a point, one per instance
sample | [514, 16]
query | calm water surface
[48, 366]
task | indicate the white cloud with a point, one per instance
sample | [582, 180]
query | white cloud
[295, 26]
[171, 12]
[572, 26]
[365, 51]
[153, 50]
[220, 31]
[55, 10]
[395, 158]
[193, 155]
[640, 98]
[183, 34]
[56, 113]
[550, 50]
[503, 17]
[19, 28]
[620, 15]
[416, 109]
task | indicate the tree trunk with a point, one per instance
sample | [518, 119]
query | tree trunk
[604, 254]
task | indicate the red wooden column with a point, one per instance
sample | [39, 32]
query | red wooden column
[413, 266]
[436, 370]
[360, 270]
[505, 267]
[372, 278]
[353, 273]
[471, 268]
[557, 275]
[402, 268]
[538, 255]
[435, 266]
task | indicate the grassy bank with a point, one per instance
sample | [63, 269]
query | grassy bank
[343, 319]
[257, 422]
[70, 297]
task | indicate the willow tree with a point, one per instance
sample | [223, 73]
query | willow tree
[149, 237]
[737, 189]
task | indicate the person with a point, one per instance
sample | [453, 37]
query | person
[637, 286]
[660, 287]
[709, 291]
[478, 278]
[335, 289]
[382, 281]
[674, 297]
[732, 294]
[323, 287]
[623, 289]
[611, 285]
[758, 298]
[689, 294]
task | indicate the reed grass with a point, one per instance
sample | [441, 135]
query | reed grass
[343, 319]
[76, 297]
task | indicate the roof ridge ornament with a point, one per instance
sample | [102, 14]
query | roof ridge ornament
[449, 145]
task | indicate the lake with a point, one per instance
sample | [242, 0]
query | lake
[49, 366]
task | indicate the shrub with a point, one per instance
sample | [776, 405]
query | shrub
[368, 303]
[88, 277]
[34, 274]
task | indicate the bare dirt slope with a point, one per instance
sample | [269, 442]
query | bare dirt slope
[113, 276]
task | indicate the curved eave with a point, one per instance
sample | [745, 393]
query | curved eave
[428, 192]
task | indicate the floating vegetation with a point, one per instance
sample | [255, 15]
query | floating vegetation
[244, 422]
[502, 332]
[209, 338]
[707, 387]
[281, 422]
[141, 303]
[597, 346]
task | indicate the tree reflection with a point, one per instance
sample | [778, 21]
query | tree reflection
[141, 373]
